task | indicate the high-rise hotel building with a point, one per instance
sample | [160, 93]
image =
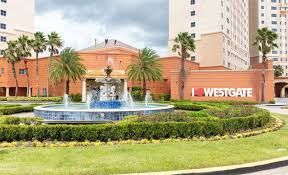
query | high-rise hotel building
[219, 27]
[274, 15]
[16, 18]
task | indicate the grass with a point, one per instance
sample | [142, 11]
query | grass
[144, 158]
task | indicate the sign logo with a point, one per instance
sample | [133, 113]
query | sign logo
[222, 92]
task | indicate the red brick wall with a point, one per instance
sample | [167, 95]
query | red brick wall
[224, 79]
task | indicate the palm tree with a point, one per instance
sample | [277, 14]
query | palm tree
[183, 43]
[24, 45]
[54, 42]
[146, 68]
[39, 45]
[11, 55]
[68, 67]
[265, 39]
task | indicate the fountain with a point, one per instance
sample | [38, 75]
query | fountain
[109, 101]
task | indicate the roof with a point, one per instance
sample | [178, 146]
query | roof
[120, 74]
[110, 44]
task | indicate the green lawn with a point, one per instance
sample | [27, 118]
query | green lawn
[144, 158]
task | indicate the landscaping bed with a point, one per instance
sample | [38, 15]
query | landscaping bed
[31, 99]
[216, 119]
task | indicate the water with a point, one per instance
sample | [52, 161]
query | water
[66, 101]
[127, 98]
[148, 99]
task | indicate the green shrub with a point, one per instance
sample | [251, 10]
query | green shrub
[134, 130]
[35, 99]
[166, 117]
[17, 109]
[3, 98]
[215, 102]
[191, 106]
[76, 97]
[137, 94]
[161, 97]
[234, 111]
[8, 120]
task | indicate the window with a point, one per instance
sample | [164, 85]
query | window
[193, 35]
[192, 13]
[22, 72]
[3, 26]
[1, 52]
[3, 13]
[193, 58]
[3, 38]
[4, 1]
[192, 2]
[193, 24]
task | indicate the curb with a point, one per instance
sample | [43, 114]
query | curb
[228, 170]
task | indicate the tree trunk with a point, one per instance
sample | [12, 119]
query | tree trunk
[15, 77]
[37, 73]
[48, 72]
[182, 73]
[28, 80]
[67, 86]
[144, 88]
[263, 79]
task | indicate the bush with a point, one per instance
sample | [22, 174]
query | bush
[225, 102]
[3, 98]
[191, 106]
[135, 130]
[165, 117]
[137, 94]
[161, 97]
[76, 98]
[17, 109]
[35, 99]
[23, 120]
[234, 111]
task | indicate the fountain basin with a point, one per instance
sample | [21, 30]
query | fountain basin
[107, 104]
[79, 113]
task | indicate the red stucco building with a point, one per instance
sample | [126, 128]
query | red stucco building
[95, 58]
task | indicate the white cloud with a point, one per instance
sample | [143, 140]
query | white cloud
[81, 35]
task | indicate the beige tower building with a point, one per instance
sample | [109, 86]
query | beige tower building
[274, 15]
[219, 27]
[16, 18]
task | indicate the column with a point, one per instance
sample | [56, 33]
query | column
[125, 85]
[84, 90]
[7, 92]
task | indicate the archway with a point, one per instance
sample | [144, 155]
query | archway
[281, 88]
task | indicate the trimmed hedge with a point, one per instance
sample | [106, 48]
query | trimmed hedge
[8, 120]
[35, 99]
[134, 131]
[17, 109]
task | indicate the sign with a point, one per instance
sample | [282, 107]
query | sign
[222, 92]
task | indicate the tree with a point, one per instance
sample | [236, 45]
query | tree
[146, 68]
[24, 46]
[183, 44]
[54, 43]
[39, 45]
[11, 55]
[68, 67]
[278, 71]
[265, 39]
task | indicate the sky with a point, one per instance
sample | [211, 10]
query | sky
[138, 23]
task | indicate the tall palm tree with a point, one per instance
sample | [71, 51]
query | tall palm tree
[146, 68]
[54, 43]
[11, 55]
[67, 68]
[39, 45]
[265, 39]
[183, 44]
[24, 46]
